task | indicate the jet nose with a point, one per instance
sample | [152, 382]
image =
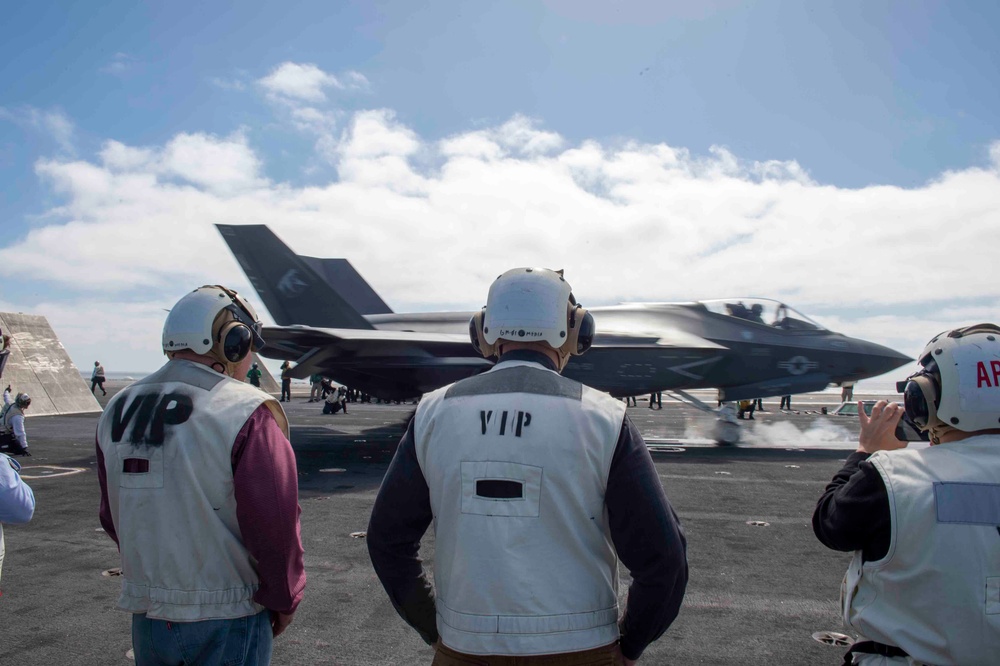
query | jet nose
[875, 359]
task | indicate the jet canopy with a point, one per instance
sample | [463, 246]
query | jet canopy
[763, 311]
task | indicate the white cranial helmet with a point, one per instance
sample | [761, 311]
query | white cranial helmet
[958, 385]
[191, 325]
[527, 305]
[532, 305]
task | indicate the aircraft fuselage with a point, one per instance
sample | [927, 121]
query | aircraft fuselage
[750, 360]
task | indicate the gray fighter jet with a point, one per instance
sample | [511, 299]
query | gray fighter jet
[331, 322]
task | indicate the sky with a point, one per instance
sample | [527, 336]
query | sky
[841, 156]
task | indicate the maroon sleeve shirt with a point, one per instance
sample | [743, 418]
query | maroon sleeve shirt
[267, 509]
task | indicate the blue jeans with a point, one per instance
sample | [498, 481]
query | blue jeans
[243, 641]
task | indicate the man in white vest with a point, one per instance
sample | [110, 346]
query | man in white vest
[924, 584]
[199, 490]
[536, 486]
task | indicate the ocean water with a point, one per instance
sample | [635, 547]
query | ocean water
[870, 387]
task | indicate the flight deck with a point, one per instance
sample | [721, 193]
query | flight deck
[760, 587]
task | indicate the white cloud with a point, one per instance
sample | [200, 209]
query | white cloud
[357, 81]
[430, 223]
[54, 123]
[302, 83]
[121, 64]
[299, 92]
[311, 120]
[220, 165]
[227, 84]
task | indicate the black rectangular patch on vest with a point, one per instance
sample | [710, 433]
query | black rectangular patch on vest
[135, 466]
[499, 489]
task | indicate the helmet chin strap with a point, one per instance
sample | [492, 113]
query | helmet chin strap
[563, 354]
[938, 430]
[223, 365]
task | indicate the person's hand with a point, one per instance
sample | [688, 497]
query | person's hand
[620, 658]
[280, 622]
[878, 431]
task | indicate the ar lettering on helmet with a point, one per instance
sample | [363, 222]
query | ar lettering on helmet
[982, 377]
[497, 422]
[149, 414]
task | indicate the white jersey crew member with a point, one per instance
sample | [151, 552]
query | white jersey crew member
[924, 584]
[17, 502]
[536, 486]
[199, 490]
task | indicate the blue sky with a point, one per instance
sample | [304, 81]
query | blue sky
[848, 98]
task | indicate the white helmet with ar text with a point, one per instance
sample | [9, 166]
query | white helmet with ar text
[958, 385]
[213, 321]
[532, 305]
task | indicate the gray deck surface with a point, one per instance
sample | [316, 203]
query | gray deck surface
[756, 594]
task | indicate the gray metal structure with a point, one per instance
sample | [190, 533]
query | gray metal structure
[39, 366]
[350, 335]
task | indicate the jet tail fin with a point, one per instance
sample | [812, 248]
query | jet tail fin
[293, 291]
[346, 281]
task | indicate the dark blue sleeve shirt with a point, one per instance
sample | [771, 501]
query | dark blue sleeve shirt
[644, 528]
[853, 512]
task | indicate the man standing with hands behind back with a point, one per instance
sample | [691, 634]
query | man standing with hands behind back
[200, 492]
[536, 486]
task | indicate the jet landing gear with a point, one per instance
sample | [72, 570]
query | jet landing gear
[726, 429]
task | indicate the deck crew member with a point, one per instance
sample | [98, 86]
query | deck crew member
[13, 437]
[97, 378]
[17, 502]
[537, 486]
[199, 489]
[924, 585]
[286, 382]
[254, 374]
[4, 350]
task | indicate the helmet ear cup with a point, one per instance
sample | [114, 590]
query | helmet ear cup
[586, 331]
[478, 336]
[235, 340]
[920, 399]
[580, 330]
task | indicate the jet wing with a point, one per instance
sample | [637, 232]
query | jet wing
[316, 349]
[664, 338]
[408, 363]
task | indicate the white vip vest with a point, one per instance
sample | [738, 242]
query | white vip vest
[936, 593]
[517, 462]
[167, 442]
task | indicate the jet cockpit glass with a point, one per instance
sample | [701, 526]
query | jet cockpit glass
[763, 311]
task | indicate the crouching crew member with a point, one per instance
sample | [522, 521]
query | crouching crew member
[199, 489]
[13, 437]
[924, 585]
[536, 486]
